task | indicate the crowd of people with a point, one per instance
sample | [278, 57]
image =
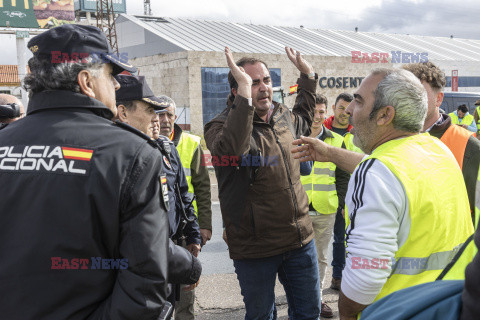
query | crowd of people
[106, 204]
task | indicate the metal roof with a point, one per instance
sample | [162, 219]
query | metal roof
[200, 35]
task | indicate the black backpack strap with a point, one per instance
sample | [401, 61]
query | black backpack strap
[455, 258]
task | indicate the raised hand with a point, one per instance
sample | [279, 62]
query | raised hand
[243, 79]
[302, 65]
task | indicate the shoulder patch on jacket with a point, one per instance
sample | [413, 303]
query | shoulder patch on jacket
[68, 160]
[164, 186]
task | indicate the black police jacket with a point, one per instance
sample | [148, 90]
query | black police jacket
[83, 228]
[183, 267]
[176, 177]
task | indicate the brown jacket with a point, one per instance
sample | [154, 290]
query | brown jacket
[264, 205]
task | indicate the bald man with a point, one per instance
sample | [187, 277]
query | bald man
[11, 108]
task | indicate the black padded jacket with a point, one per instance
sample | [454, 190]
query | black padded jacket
[83, 223]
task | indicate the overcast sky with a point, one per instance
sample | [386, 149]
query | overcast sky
[427, 17]
[421, 17]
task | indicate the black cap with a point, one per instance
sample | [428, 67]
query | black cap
[73, 42]
[136, 88]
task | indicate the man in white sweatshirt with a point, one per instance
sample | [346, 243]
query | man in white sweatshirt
[407, 203]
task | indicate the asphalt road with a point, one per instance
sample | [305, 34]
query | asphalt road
[214, 255]
[218, 295]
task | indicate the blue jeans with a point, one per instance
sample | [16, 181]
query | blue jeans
[338, 261]
[298, 273]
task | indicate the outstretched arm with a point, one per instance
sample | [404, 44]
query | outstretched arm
[312, 149]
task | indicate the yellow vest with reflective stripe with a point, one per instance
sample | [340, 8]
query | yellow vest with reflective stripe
[468, 119]
[477, 200]
[186, 147]
[320, 184]
[438, 208]
[478, 112]
[349, 145]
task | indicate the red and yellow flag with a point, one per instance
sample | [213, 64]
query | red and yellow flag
[293, 89]
[77, 154]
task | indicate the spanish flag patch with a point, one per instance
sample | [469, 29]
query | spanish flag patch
[77, 154]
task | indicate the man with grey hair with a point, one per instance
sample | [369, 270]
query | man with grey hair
[408, 183]
[198, 179]
[89, 233]
[11, 108]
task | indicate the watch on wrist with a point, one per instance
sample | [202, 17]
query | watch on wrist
[311, 75]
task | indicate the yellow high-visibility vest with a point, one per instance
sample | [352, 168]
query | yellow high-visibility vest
[438, 208]
[186, 147]
[477, 200]
[468, 119]
[349, 145]
[320, 184]
[478, 112]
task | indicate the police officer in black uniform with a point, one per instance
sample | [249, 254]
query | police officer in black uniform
[136, 89]
[83, 230]
[136, 107]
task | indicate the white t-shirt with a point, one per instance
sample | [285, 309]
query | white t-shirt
[379, 224]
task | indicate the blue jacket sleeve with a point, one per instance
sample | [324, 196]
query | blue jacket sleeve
[192, 229]
[473, 127]
[306, 168]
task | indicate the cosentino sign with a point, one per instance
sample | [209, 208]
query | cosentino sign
[340, 82]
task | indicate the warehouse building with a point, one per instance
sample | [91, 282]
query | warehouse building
[184, 58]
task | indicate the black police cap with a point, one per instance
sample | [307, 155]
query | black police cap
[73, 42]
[136, 88]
